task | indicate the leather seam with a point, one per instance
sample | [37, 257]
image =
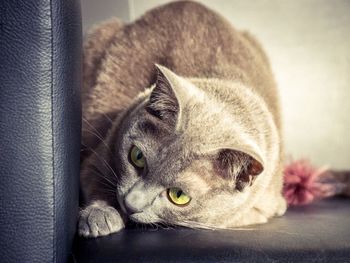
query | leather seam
[52, 140]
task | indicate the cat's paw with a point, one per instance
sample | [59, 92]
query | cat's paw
[253, 216]
[281, 207]
[99, 219]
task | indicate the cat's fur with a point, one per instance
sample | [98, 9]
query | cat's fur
[207, 121]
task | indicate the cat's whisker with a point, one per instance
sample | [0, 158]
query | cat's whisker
[108, 184]
[101, 175]
[109, 192]
[154, 226]
[167, 225]
[158, 226]
[96, 133]
[109, 119]
[104, 161]
[193, 224]
[105, 184]
[90, 125]
[100, 138]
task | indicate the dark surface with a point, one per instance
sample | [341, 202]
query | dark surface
[40, 46]
[316, 233]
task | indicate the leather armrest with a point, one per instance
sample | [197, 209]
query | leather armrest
[40, 75]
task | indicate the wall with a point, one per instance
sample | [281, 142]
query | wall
[308, 43]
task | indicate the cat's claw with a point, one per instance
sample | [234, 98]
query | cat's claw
[99, 220]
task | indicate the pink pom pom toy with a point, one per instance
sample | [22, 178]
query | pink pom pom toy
[304, 183]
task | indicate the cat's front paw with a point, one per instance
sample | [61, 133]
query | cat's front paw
[99, 219]
[281, 207]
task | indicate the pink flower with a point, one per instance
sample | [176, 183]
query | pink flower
[304, 183]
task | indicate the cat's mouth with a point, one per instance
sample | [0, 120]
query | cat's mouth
[141, 218]
[135, 217]
[121, 204]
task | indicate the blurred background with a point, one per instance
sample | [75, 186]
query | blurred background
[308, 43]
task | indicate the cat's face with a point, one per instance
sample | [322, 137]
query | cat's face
[175, 158]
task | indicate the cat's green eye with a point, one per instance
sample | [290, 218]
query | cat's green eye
[137, 157]
[178, 197]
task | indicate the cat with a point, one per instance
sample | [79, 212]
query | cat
[181, 124]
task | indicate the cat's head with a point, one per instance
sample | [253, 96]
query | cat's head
[184, 155]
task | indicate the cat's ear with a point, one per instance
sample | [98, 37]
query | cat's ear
[168, 96]
[241, 167]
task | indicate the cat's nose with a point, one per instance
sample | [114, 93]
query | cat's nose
[130, 208]
[134, 202]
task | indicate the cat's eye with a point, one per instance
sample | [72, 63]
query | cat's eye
[178, 197]
[137, 157]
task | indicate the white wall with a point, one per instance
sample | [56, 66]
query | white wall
[308, 43]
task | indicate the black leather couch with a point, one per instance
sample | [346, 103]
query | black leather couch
[315, 233]
[40, 76]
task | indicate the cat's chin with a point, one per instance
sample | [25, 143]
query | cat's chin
[143, 218]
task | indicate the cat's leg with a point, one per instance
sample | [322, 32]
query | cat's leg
[260, 213]
[272, 205]
[99, 219]
[281, 206]
[252, 217]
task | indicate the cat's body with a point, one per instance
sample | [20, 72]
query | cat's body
[212, 128]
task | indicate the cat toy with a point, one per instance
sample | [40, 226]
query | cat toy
[304, 183]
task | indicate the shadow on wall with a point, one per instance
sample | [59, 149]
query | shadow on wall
[96, 11]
